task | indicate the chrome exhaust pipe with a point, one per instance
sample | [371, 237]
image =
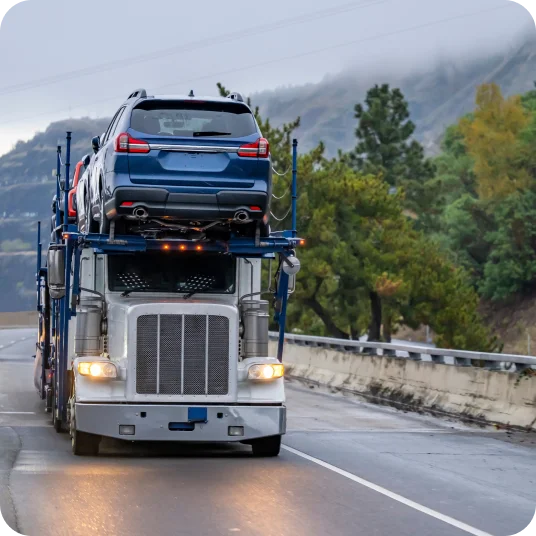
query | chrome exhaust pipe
[140, 213]
[241, 216]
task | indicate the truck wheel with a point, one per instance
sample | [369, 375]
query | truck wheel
[83, 444]
[56, 423]
[267, 446]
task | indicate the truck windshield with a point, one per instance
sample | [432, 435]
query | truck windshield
[186, 273]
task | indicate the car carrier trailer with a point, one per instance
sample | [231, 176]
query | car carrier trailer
[122, 354]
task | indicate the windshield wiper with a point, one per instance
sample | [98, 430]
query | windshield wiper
[211, 133]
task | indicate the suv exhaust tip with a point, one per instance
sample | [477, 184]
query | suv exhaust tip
[140, 213]
[241, 216]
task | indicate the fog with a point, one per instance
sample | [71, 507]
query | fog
[62, 59]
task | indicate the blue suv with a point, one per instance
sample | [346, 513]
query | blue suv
[179, 165]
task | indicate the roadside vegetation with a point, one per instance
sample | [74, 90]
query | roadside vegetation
[397, 239]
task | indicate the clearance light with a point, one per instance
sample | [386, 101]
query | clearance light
[198, 248]
[182, 247]
[266, 372]
[97, 369]
[166, 247]
[302, 242]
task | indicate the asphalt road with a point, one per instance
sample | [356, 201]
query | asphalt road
[348, 468]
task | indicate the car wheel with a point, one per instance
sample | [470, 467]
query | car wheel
[90, 225]
[104, 224]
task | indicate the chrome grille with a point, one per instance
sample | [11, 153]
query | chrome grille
[182, 355]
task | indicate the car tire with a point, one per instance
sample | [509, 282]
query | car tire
[104, 224]
[90, 225]
[266, 447]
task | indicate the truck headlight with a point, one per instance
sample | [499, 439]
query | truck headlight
[266, 372]
[97, 369]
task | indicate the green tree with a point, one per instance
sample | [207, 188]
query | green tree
[511, 264]
[385, 146]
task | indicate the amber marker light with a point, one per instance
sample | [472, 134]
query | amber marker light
[198, 248]
[182, 247]
[166, 247]
[302, 242]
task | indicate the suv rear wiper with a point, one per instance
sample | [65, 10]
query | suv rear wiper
[211, 133]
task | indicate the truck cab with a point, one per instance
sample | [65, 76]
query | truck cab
[169, 345]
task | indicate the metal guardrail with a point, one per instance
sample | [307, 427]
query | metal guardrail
[460, 358]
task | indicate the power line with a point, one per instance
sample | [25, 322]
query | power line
[277, 60]
[189, 47]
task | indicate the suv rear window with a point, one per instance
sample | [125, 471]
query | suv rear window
[193, 119]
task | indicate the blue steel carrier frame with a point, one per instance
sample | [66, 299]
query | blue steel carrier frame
[55, 314]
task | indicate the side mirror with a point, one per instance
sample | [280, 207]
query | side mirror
[95, 143]
[56, 272]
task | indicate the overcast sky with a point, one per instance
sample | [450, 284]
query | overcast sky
[73, 58]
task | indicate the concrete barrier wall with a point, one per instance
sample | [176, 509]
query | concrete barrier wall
[496, 397]
[20, 319]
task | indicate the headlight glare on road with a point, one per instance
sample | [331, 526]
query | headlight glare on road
[98, 369]
[266, 372]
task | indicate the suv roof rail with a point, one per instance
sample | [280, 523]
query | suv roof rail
[141, 93]
[235, 96]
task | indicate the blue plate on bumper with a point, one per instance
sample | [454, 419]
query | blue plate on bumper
[197, 414]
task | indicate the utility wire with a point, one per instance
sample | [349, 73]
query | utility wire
[277, 60]
[189, 47]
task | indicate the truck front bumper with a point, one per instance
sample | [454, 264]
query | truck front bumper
[155, 422]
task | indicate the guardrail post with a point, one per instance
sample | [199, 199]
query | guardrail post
[520, 367]
[389, 352]
[492, 365]
[439, 359]
[462, 362]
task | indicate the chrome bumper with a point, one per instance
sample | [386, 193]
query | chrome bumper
[105, 419]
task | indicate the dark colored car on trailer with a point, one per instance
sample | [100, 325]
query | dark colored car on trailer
[181, 164]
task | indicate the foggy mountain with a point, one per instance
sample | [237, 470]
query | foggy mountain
[437, 96]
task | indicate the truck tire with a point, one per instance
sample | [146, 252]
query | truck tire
[266, 446]
[82, 443]
[85, 444]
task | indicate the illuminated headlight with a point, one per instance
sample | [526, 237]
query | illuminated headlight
[98, 369]
[266, 372]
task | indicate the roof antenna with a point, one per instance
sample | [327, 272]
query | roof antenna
[191, 94]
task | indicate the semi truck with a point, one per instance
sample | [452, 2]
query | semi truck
[162, 339]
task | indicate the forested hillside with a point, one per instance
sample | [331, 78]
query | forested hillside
[416, 198]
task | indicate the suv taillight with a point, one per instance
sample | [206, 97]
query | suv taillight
[258, 149]
[125, 143]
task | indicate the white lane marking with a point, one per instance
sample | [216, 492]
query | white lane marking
[17, 413]
[371, 431]
[425, 510]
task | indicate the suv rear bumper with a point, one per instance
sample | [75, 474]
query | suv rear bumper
[160, 203]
